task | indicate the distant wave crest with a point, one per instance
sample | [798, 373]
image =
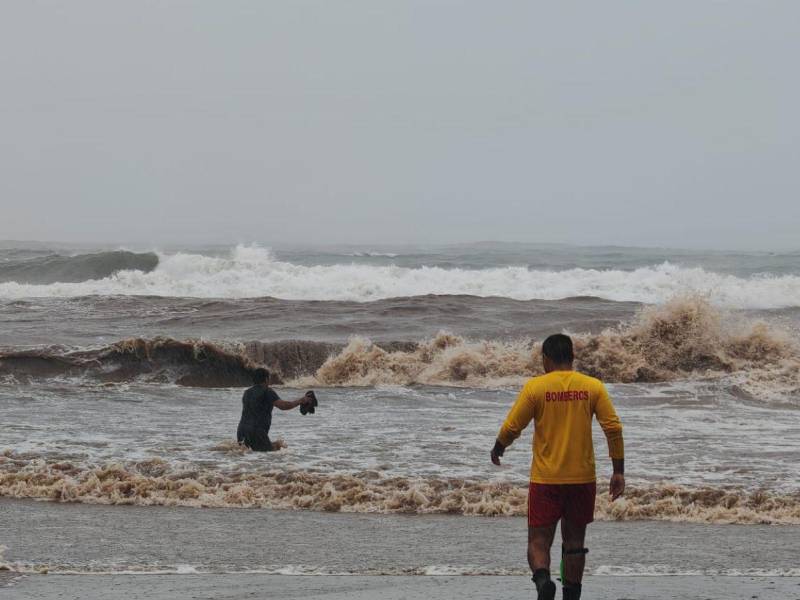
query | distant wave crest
[254, 272]
[42, 271]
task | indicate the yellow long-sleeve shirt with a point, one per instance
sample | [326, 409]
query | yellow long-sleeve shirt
[562, 404]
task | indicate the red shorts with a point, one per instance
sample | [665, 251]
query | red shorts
[550, 502]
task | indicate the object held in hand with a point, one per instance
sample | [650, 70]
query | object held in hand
[309, 407]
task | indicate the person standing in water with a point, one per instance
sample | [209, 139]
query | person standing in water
[562, 486]
[257, 404]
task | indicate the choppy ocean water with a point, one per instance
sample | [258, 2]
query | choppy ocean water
[121, 374]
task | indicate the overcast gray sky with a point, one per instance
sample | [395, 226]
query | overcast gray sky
[633, 123]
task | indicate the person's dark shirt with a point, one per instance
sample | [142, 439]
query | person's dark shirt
[257, 403]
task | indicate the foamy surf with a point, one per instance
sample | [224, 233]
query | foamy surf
[686, 338]
[254, 272]
[157, 483]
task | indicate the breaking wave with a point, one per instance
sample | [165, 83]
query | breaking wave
[254, 272]
[155, 482]
[684, 338]
[43, 270]
[194, 363]
[161, 360]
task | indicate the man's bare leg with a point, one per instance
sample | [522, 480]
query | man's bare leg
[540, 541]
[573, 536]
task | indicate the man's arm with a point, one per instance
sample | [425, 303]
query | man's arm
[616, 486]
[518, 419]
[290, 404]
[612, 428]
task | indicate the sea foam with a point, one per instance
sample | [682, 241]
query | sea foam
[155, 482]
[255, 272]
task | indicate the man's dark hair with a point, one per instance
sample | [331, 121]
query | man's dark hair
[260, 375]
[558, 348]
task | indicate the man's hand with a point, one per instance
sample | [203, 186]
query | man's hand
[497, 452]
[617, 486]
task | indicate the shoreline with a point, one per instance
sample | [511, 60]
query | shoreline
[92, 539]
[177, 587]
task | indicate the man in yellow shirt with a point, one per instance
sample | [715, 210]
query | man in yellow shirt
[562, 403]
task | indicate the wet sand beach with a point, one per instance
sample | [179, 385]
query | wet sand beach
[85, 551]
[222, 587]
